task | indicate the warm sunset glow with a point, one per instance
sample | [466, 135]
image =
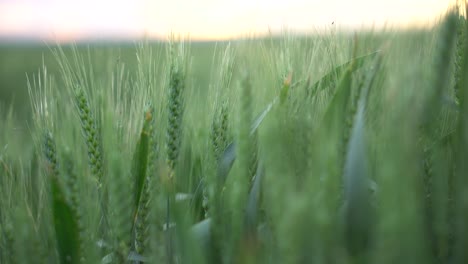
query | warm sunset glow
[62, 20]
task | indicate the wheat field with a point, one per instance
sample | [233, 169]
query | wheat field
[334, 148]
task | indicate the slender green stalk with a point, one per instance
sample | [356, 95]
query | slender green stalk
[177, 75]
[121, 202]
[65, 218]
[437, 172]
[461, 255]
[75, 202]
[144, 166]
[459, 55]
[442, 61]
[239, 192]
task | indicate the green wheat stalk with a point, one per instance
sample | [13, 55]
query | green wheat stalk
[90, 133]
[461, 182]
[94, 145]
[239, 192]
[439, 195]
[121, 202]
[442, 62]
[435, 180]
[214, 135]
[75, 201]
[177, 76]
[220, 131]
[459, 56]
[175, 105]
[65, 217]
[143, 168]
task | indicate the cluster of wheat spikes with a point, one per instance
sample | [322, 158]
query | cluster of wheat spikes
[283, 159]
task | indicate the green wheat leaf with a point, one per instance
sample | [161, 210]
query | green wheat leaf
[229, 155]
[140, 158]
[330, 78]
[356, 180]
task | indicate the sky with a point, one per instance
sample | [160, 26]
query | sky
[72, 20]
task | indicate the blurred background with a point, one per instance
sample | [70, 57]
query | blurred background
[28, 28]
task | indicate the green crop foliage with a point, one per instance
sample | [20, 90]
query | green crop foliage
[285, 149]
[64, 216]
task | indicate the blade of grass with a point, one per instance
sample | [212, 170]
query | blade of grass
[140, 157]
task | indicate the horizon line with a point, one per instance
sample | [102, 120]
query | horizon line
[127, 37]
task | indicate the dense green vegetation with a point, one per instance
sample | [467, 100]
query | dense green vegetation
[336, 148]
